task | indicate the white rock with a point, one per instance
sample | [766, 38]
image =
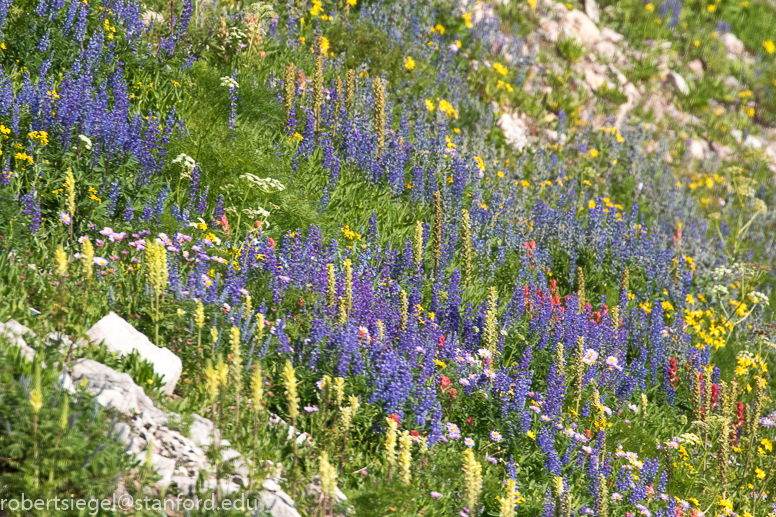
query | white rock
[595, 79]
[122, 432]
[591, 10]
[733, 45]
[732, 83]
[275, 502]
[606, 49]
[13, 332]
[515, 130]
[119, 336]
[609, 34]
[165, 467]
[114, 389]
[737, 135]
[723, 152]
[753, 142]
[698, 149]
[677, 82]
[201, 430]
[550, 28]
[696, 67]
[576, 24]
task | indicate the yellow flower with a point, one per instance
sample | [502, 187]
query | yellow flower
[532, 4]
[649, 7]
[438, 29]
[591, 204]
[531, 435]
[352, 2]
[769, 46]
[593, 153]
[448, 109]
[498, 67]
[409, 63]
[711, 8]
[759, 473]
[467, 19]
[324, 45]
[430, 105]
[480, 163]
[696, 43]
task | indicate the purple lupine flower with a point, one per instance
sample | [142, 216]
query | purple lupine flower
[31, 208]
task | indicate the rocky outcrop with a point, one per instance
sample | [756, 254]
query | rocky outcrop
[13, 332]
[119, 336]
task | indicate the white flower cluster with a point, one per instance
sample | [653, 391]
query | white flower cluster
[228, 82]
[267, 185]
[758, 297]
[186, 161]
[87, 142]
[719, 290]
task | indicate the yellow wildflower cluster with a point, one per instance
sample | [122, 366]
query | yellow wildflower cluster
[448, 109]
[40, 136]
[498, 67]
[747, 361]
[501, 85]
[709, 328]
[613, 131]
[350, 234]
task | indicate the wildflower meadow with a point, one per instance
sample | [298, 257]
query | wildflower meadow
[370, 258]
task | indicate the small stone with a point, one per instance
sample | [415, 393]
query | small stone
[577, 24]
[677, 82]
[696, 67]
[733, 45]
[591, 10]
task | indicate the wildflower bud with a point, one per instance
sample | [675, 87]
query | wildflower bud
[349, 285]
[473, 480]
[326, 390]
[644, 403]
[260, 327]
[332, 286]
[70, 191]
[508, 501]
[340, 101]
[345, 419]
[328, 475]
[289, 382]
[423, 444]
[214, 335]
[36, 400]
[199, 315]
[625, 284]
[404, 308]
[614, 313]
[405, 457]
[236, 351]
[248, 306]
[581, 289]
[350, 94]
[88, 252]
[61, 259]
[343, 311]
[379, 114]
[468, 252]
[602, 498]
[156, 262]
[390, 442]
[723, 458]
[64, 416]
[339, 390]
[289, 84]
[380, 330]
[318, 83]
[579, 372]
[417, 245]
[490, 336]
[257, 389]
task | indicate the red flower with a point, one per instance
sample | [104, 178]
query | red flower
[394, 417]
[271, 242]
[414, 433]
[224, 223]
[444, 383]
[441, 341]
[470, 420]
[588, 433]
[452, 393]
